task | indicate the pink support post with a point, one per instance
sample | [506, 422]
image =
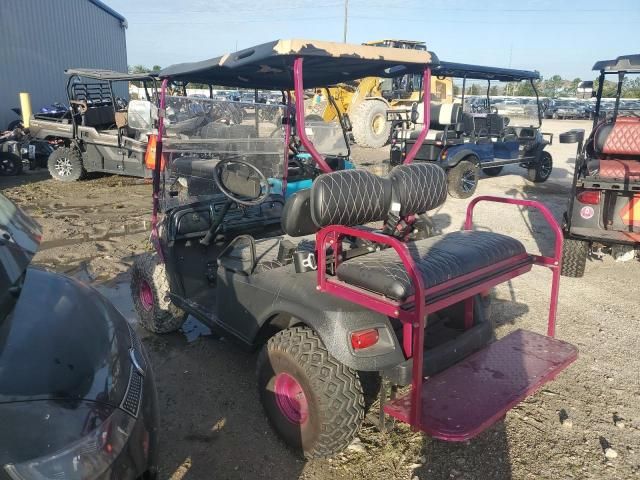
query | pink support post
[426, 101]
[553, 263]
[331, 236]
[156, 171]
[298, 89]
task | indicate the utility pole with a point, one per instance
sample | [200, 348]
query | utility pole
[346, 13]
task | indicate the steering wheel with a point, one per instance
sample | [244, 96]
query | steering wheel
[239, 179]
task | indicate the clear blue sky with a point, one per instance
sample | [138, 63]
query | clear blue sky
[562, 37]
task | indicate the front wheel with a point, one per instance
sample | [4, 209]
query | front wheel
[541, 171]
[370, 126]
[463, 179]
[315, 403]
[150, 295]
[65, 164]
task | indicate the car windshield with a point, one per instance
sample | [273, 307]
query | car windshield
[200, 132]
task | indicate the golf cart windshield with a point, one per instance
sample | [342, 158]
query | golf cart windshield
[200, 132]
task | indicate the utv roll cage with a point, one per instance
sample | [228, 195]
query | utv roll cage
[96, 104]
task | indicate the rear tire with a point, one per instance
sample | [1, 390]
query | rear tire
[492, 171]
[315, 403]
[150, 294]
[542, 170]
[463, 179]
[10, 164]
[369, 123]
[574, 257]
[65, 164]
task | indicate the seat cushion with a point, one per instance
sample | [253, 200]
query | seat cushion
[628, 170]
[438, 259]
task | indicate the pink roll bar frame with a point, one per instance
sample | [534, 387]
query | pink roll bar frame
[413, 311]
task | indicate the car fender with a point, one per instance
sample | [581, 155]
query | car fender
[334, 329]
[281, 298]
[454, 158]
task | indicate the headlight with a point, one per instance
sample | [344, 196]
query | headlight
[86, 459]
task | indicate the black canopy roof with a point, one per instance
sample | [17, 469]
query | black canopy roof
[109, 75]
[481, 72]
[625, 63]
[270, 65]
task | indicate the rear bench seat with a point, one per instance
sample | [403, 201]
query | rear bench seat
[345, 198]
[616, 145]
[438, 259]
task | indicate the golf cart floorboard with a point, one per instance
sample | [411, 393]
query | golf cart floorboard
[469, 397]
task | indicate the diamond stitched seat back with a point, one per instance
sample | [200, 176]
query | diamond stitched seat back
[419, 187]
[619, 138]
[349, 197]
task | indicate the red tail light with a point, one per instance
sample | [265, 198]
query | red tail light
[589, 197]
[364, 338]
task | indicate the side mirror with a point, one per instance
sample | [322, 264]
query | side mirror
[572, 136]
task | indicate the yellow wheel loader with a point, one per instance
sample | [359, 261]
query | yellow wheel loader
[365, 102]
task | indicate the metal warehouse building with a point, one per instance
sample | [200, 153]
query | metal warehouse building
[39, 39]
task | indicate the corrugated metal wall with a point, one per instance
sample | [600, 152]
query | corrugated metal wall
[40, 38]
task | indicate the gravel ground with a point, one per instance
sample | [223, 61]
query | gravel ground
[584, 425]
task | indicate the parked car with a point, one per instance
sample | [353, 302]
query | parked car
[77, 395]
[563, 109]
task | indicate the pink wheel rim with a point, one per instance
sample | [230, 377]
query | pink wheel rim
[291, 399]
[146, 295]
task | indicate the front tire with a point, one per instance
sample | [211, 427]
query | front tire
[315, 403]
[542, 170]
[150, 294]
[10, 164]
[370, 126]
[574, 257]
[65, 164]
[463, 179]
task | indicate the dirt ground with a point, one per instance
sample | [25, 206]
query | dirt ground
[212, 425]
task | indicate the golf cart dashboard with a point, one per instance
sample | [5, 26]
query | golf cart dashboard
[193, 221]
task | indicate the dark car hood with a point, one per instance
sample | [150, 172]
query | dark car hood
[63, 341]
[19, 240]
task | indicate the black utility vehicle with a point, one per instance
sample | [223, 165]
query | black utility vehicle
[336, 304]
[101, 132]
[603, 215]
[77, 396]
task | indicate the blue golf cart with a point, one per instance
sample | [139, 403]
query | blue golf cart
[485, 134]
